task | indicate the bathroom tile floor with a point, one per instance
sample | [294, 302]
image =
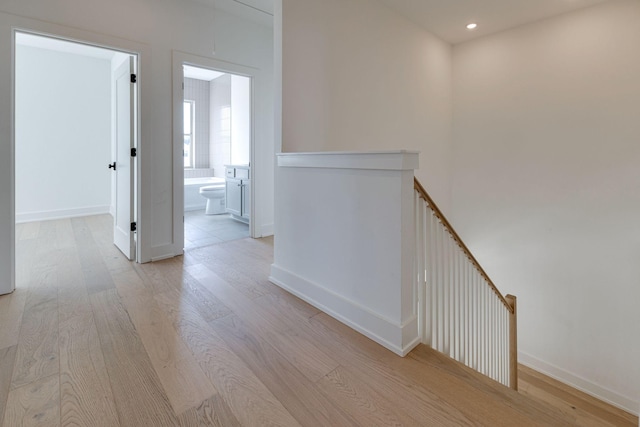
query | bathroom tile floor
[203, 230]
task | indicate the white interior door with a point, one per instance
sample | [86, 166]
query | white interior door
[123, 231]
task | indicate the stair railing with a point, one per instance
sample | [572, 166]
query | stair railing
[462, 313]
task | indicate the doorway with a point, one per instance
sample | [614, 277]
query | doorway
[75, 134]
[217, 132]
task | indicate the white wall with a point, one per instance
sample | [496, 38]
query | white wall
[546, 187]
[343, 248]
[63, 134]
[155, 30]
[240, 119]
[220, 124]
[358, 77]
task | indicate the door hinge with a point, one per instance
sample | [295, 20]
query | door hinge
[134, 226]
[134, 152]
[134, 78]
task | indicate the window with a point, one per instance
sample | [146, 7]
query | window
[188, 111]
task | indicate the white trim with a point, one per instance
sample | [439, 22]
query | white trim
[347, 153]
[577, 382]
[161, 252]
[7, 158]
[277, 83]
[266, 230]
[387, 333]
[378, 160]
[61, 213]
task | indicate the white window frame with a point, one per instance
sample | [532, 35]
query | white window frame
[192, 108]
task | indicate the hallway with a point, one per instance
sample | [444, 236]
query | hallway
[91, 339]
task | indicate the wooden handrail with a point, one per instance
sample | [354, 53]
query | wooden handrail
[438, 213]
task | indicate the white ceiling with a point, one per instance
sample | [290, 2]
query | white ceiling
[200, 73]
[444, 18]
[261, 5]
[25, 39]
[259, 11]
[447, 19]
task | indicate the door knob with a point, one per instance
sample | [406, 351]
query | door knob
[112, 166]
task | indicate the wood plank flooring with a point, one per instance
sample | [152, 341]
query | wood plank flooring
[90, 339]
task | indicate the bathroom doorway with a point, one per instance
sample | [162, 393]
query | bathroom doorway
[216, 156]
[75, 138]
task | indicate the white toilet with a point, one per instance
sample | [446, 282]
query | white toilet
[215, 198]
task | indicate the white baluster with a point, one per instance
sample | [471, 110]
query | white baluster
[480, 326]
[505, 345]
[440, 281]
[425, 267]
[491, 329]
[453, 321]
[499, 339]
[496, 348]
[434, 281]
[494, 353]
[450, 296]
[453, 315]
[459, 307]
[485, 328]
[492, 333]
[417, 261]
[497, 345]
[467, 310]
[420, 267]
[464, 310]
[494, 326]
[447, 293]
[454, 298]
[474, 312]
[470, 314]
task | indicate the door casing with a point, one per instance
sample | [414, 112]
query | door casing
[142, 54]
[179, 60]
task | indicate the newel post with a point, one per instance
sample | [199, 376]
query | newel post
[513, 342]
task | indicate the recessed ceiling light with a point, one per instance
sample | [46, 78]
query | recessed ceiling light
[472, 26]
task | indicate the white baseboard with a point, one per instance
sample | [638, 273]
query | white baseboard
[162, 257]
[266, 230]
[161, 252]
[191, 208]
[579, 383]
[60, 214]
[383, 331]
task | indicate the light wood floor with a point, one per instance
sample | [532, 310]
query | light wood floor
[89, 339]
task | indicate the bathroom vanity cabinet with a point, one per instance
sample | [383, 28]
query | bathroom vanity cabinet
[238, 192]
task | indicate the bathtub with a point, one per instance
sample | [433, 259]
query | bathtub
[193, 201]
